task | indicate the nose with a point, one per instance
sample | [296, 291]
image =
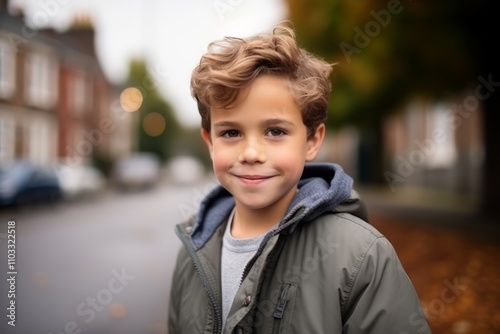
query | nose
[252, 152]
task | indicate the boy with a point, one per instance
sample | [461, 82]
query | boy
[283, 244]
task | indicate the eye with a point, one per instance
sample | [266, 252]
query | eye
[276, 132]
[230, 133]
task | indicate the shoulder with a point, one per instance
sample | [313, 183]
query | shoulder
[347, 243]
[363, 253]
[341, 239]
[355, 236]
[350, 222]
[345, 228]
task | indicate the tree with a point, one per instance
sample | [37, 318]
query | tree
[391, 51]
[481, 22]
[157, 127]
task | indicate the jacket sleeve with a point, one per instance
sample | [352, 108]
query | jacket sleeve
[381, 297]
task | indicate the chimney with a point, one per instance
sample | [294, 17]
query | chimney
[83, 34]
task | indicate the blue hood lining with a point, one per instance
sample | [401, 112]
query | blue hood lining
[322, 187]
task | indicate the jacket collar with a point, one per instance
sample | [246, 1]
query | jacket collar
[322, 187]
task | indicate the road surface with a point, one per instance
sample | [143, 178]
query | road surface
[99, 265]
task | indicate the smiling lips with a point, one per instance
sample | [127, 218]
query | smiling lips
[253, 179]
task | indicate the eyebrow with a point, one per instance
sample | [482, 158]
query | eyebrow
[276, 122]
[267, 122]
[225, 124]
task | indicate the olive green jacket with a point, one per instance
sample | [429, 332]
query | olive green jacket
[333, 273]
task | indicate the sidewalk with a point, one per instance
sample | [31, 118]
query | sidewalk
[432, 207]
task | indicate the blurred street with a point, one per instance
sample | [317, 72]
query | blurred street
[104, 265]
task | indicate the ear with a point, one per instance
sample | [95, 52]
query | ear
[314, 142]
[206, 138]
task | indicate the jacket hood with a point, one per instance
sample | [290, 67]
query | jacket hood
[323, 188]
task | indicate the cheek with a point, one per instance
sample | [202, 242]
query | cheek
[221, 159]
[289, 158]
[293, 149]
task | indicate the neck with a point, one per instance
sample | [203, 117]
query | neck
[249, 223]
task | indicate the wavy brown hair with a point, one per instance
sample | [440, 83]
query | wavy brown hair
[231, 64]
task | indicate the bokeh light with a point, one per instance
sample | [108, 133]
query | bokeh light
[154, 124]
[131, 99]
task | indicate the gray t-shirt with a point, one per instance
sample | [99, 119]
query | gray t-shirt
[235, 255]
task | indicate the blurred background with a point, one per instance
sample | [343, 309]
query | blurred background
[100, 152]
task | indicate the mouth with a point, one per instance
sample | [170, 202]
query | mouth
[253, 179]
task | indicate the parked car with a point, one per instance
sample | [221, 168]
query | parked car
[137, 171]
[82, 180]
[23, 183]
[185, 169]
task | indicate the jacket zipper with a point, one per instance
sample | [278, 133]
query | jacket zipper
[250, 263]
[204, 279]
[280, 308]
[262, 246]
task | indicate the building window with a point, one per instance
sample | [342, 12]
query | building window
[7, 70]
[40, 141]
[78, 94]
[7, 140]
[440, 138]
[41, 80]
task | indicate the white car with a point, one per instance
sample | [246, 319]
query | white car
[185, 170]
[138, 171]
[81, 180]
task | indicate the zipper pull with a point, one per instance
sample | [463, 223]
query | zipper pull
[280, 306]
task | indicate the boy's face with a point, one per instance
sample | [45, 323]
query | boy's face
[259, 146]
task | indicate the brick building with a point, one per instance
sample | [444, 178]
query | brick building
[55, 101]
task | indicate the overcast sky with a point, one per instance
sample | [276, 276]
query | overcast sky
[171, 34]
